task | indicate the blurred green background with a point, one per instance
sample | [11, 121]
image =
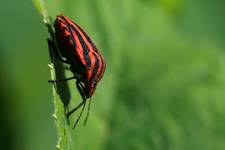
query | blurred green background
[164, 86]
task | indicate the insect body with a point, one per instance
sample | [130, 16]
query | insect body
[78, 50]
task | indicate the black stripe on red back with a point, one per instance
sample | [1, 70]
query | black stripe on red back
[87, 37]
[84, 46]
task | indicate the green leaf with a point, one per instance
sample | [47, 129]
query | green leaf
[64, 138]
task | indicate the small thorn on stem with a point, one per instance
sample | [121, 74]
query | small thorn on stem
[54, 116]
[50, 66]
[57, 146]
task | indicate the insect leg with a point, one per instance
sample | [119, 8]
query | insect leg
[79, 115]
[83, 103]
[80, 89]
[50, 47]
[89, 106]
[53, 49]
[75, 109]
[61, 80]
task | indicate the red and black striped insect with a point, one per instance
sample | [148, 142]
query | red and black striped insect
[74, 47]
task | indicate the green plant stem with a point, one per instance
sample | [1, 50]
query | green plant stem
[64, 138]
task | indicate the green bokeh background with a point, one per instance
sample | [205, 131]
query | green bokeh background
[164, 86]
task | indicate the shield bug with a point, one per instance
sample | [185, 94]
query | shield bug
[74, 47]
